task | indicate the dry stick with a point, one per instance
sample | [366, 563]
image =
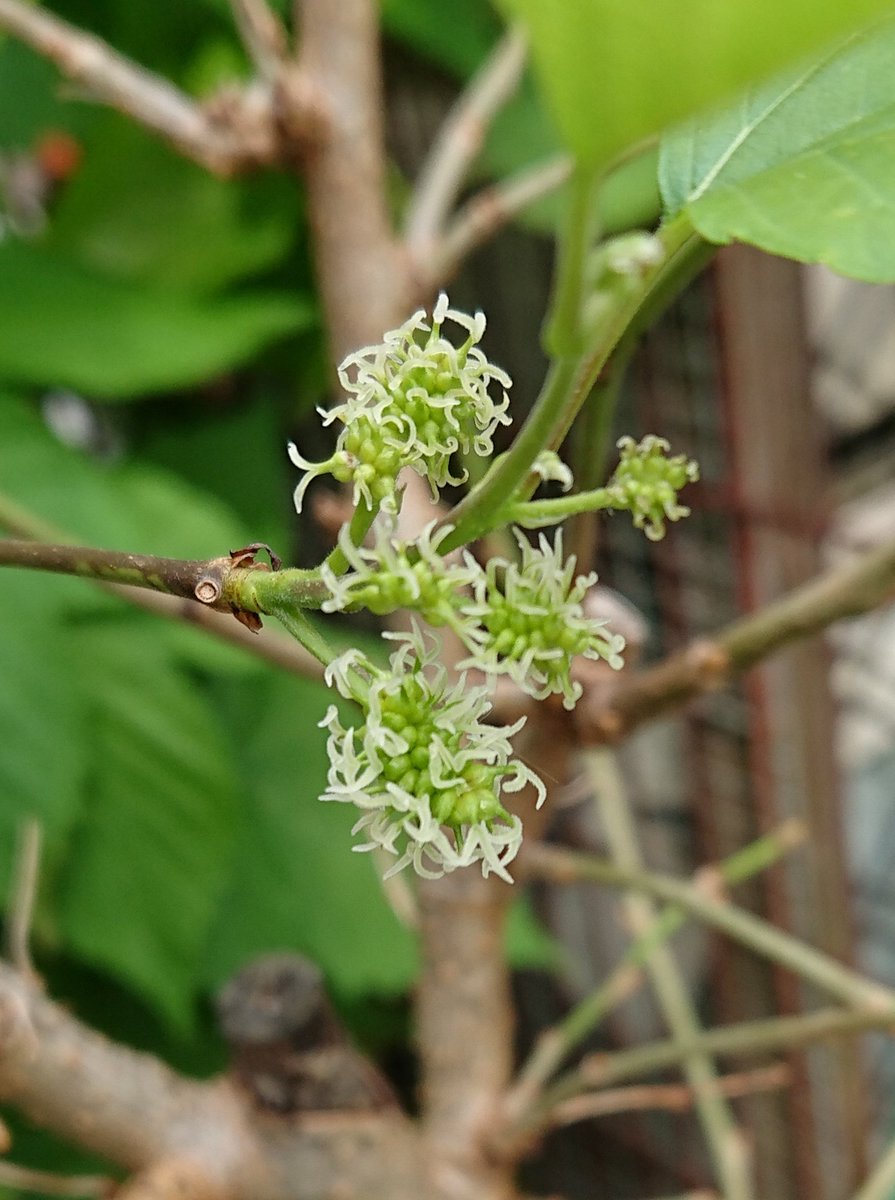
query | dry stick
[27, 1180]
[194, 1140]
[24, 894]
[116, 80]
[723, 1136]
[272, 647]
[744, 1039]
[708, 663]
[488, 211]
[463, 1004]
[554, 1044]
[671, 1097]
[459, 141]
[262, 34]
[881, 1183]
[846, 985]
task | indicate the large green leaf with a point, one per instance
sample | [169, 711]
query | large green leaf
[152, 853]
[615, 72]
[65, 326]
[296, 883]
[137, 210]
[43, 757]
[124, 506]
[803, 167]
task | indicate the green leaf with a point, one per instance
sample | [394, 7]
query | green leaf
[152, 853]
[457, 41]
[802, 167]
[296, 883]
[138, 211]
[43, 757]
[615, 72]
[127, 506]
[64, 326]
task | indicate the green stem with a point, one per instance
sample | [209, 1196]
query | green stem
[624, 980]
[361, 520]
[746, 1038]
[551, 512]
[570, 380]
[713, 1110]
[837, 980]
[591, 435]
[305, 632]
[562, 334]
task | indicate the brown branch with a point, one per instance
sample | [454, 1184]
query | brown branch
[362, 275]
[113, 79]
[710, 662]
[670, 1097]
[459, 141]
[262, 35]
[485, 214]
[173, 1133]
[283, 652]
[599, 1071]
[190, 579]
[463, 1005]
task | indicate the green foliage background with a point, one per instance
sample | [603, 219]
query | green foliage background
[176, 780]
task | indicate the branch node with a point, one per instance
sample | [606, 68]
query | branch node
[710, 663]
[208, 590]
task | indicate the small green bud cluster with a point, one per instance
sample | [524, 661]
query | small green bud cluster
[523, 619]
[393, 574]
[425, 768]
[412, 402]
[531, 623]
[423, 765]
[646, 483]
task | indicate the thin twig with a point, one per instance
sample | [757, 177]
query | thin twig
[26, 1179]
[262, 35]
[460, 139]
[846, 985]
[555, 1044]
[746, 1039]
[272, 647]
[485, 213]
[24, 894]
[722, 1135]
[881, 1182]
[672, 1097]
[710, 662]
[113, 79]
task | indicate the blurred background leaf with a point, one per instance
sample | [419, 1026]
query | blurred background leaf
[649, 65]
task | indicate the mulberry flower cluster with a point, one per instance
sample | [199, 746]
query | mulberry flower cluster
[422, 764]
[646, 482]
[393, 574]
[424, 768]
[523, 619]
[531, 622]
[414, 400]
